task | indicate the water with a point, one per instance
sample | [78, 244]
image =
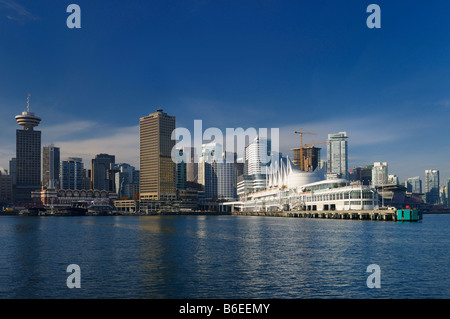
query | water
[223, 257]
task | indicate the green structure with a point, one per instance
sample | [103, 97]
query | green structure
[409, 215]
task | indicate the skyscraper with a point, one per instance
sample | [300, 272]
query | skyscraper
[226, 189]
[181, 171]
[157, 169]
[28, 156]
[257, 156]
[72, 176]
[380, 173]
[414, 185]
[337, 155]
[432, 186]
[124, 175]
[311, 158]
[207, 169]
[191, 164]
[102, 175]
[6, 188]
[50, 166]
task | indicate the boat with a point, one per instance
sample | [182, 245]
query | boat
[76, 209]
[29, 212]
[100, 210]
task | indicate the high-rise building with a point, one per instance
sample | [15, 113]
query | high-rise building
[124, 175]
[102, 172]
[366, 175]
[257, 160]
[225, 171]
[393, 179]
[50, 167]
[72, 173]
[207, 169]
[414, 185]
[447, 188]
[257, 156]
[13, 170]
[432, 186]
[191, 164]
[28, 156]
[181, 170]
[362, 174]
[157, 169]
[216, 174]
[443, 196]
[380, 173]
[238, 171]
[337, 155]
[311, 158]
[6, 189]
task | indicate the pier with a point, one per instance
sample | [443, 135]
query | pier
[382, 215]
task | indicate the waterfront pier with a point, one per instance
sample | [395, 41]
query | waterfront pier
[383, 215]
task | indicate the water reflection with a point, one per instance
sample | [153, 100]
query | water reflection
[222, 257]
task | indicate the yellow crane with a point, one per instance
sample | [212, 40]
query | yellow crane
[301, 132]
[313, 143]
[308, 160]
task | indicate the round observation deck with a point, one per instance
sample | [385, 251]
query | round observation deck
[28, 120]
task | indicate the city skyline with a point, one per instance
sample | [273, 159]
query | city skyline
[269, 64]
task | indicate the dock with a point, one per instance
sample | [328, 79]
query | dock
[381, 215]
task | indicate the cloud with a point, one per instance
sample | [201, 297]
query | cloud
[80, 138]
[69, 130]
[123, 143]
[361, 131]
[444, 103]
[16, 12]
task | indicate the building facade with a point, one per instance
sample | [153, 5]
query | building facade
[67, 197]
[102, 173]
[290, 189]
[28, 157]
[191, 164]
[257, 156]
[432, 186]
[380, 173]
[72, 173]
[414, 185]
[157, 169]
[51, 166]
[225, 181]
[181, 170]
[311, 158]
[125, 174]
[6, 189]
[337, 155]
[207, 170]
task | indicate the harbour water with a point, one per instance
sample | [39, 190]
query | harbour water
[199, 257]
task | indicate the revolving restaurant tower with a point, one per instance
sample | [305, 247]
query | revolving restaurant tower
[28, 156]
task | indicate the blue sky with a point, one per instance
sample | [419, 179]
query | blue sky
[286, 64]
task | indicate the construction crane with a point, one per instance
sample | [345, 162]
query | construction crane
[302, 164]
[308, 164]
[313, 143]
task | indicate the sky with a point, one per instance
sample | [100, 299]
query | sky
[311, 65]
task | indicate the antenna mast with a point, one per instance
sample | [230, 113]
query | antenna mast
[28, 102]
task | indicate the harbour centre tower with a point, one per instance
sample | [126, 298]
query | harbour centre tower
[28, 156]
